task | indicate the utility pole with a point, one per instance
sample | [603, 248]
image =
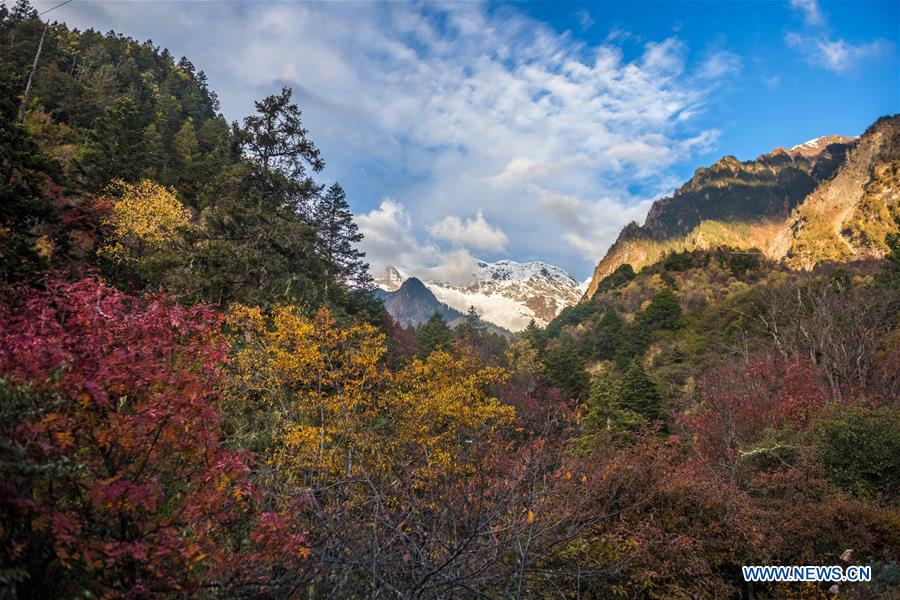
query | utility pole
[37, 57]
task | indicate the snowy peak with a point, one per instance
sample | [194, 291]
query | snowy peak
[506, 293]
[390, 279]
[508, 271]
[816, 146]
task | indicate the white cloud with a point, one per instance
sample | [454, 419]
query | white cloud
[838, 56]
[460, 106]
[590, 225]
[810, 11]
[821, 50]
[585, 20]
[455, 267]
[518, 170]
[475, 233]
[720, 64]
[388, 239]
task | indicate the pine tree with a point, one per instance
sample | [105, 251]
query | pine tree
[154, 155]
[114, 148]
[640, 394]
[471, 330]
[565, 367]
[280, 151]
[607, 335]
[433, 335]
[23, 11]
[535, 336]
[337, 236]
[889, 277]
[186, 146]
[258, 246]
[663, 311]
[23, 209]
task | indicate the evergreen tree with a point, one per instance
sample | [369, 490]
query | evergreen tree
[23, 209]
[257, 246]
[154, 155]
[607, 335]
[338, 235]
[889, 277]
[186, 146]
[663, 311]
[564, 365]
[433, 335]
[535, 336]
[279, 151]
[602, 404]
[471, 331]
[23, 11]
[473, 319]
[640, 394]
[114, 148]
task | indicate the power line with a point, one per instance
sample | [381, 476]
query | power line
[54, 8]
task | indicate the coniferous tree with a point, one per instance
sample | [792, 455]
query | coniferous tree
[535, 336]
[433, 335]
[471, 331]
[186, 145]
[889, 277]
[338, 236]
[279, 151]
[640, 394]
[565, 368]
[154, 153]
[663, 311]
[607, 335]
[23, 11]
[114, 148]
[257, 246]
[23, 209]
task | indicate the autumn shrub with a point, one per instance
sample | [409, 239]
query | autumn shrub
[115, 480]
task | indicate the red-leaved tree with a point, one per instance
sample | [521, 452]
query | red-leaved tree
[114, 478]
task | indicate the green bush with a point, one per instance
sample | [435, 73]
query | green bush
[860, 450]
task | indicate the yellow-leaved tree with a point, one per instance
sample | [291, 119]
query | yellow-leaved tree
[145, 217]
[333, 409]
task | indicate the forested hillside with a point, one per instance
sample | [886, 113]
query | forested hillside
[202, 397]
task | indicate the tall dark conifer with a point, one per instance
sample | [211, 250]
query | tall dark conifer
[337, 239]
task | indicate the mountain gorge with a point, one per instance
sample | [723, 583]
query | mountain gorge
[506, 293]
[832, 198]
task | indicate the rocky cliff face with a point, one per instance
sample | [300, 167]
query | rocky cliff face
[848, 216]
[782, 202]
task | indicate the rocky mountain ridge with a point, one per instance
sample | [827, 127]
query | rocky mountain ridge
[831, 198]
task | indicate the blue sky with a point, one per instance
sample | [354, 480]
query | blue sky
[529, 130]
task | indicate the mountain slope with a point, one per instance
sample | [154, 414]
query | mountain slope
[848, 216]
[781, 202]
[413, 304]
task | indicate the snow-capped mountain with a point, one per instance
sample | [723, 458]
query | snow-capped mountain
[506, 293]
[390, 278]
[817, 145]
